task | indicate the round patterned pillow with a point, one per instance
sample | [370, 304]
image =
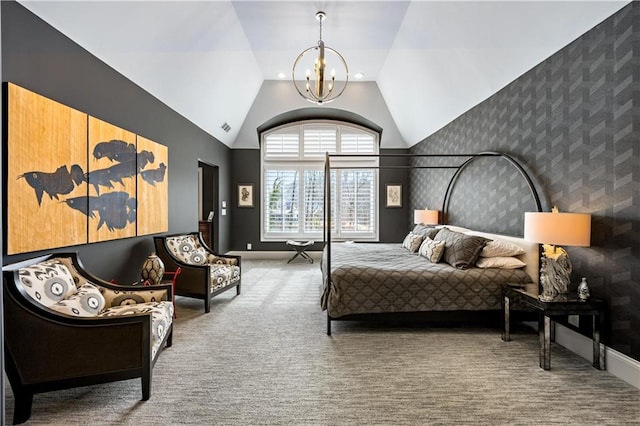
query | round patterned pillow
[86, 302]
[47, 282]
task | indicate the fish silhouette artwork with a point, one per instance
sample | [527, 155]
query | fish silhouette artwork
[113, 150]
[110, 175]
[122, 152]
[154, 175]
[144, 158]
[60, 182]
[114, 209]
[115, 174]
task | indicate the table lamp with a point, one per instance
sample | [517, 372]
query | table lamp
[426, 216]
[550, 230]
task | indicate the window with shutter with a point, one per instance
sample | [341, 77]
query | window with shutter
[293, 182]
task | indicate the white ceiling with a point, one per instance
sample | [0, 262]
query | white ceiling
[432, 60]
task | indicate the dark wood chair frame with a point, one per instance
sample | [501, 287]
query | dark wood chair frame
[194, 279]
[46, 350]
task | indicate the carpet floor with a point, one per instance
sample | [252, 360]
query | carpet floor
[263, 358]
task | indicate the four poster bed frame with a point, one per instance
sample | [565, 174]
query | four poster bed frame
[390, 270]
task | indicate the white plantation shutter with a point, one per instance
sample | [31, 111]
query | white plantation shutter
[313, 200]
[318, 141]
[293, 182]
[280, 197]
[282, 145]
[356, 207]
[357, 143]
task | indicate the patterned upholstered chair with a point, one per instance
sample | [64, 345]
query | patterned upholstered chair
[204, 273]
[66, 328]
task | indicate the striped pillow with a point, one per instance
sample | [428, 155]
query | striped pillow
[412, 242]
[432, 250]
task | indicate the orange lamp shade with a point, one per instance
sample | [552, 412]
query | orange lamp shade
[555, 228]
[427, 217]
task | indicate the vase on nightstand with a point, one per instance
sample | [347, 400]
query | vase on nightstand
[583, 290]
[152, 269]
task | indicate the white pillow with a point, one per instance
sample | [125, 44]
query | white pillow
[432, 250]
[499, 248]
[503, 262]
[412, 242]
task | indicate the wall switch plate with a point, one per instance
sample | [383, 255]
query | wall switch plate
[248, 246]
[574, 320]
[224, 212]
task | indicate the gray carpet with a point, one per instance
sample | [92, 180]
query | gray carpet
[264, 358]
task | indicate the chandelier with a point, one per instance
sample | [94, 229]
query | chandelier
[320, 87]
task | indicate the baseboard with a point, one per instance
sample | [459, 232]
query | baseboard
[250, 254]
[618, 364]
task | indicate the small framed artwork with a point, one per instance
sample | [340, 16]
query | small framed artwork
[394, 195]
[245, 195]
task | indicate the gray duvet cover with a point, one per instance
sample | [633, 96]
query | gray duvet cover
[378, 278]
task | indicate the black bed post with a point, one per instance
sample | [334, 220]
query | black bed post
[327, 228]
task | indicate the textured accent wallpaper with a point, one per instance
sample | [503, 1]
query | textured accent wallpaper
[573, 122]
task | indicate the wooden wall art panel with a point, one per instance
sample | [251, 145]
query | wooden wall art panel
[46, 163]
[111, 181]
[153, 187]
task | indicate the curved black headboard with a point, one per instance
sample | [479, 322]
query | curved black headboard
[479, 189]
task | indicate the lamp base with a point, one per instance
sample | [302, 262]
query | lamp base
[556, 298]
[555, 274]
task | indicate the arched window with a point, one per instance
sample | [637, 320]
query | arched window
[292, 198]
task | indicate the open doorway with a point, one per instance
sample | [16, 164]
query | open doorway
[208, 214]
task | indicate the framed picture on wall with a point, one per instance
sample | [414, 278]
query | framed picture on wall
[245, 195]
[394, 195]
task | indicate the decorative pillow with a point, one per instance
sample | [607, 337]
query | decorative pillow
[432, 250]
[503, 262]
[499, 248]
[425, 230]
[461, 251]
[183, 248]
[412, 242]
[86, 302]
[198, 257]
[47, 282]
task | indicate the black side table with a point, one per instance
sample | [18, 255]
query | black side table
[570, 305]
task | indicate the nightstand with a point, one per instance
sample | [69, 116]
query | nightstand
[569, 305]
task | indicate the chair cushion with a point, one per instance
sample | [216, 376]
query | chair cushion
[47, 282]
[86, 302]
[223, 275]
[161, 319]
[212, 259]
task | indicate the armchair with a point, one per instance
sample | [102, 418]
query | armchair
[205, 274]
[66, 328]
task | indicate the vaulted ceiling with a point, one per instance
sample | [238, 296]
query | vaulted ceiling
[430, 60]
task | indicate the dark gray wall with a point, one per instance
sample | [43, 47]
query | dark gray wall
[39, 58]
[245, 166]
[395, 222]
[1, 247]
[574, 123]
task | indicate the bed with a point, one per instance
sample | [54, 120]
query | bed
[364, 279]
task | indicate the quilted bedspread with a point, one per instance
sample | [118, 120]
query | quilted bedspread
[376, 278]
